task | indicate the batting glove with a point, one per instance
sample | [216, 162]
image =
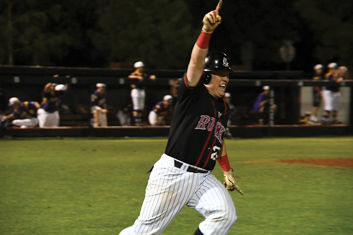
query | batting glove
[230, 183]
[210, 22]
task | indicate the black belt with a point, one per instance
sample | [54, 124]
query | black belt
[190, 168]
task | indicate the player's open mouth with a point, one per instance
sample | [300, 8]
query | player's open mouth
[223, 86]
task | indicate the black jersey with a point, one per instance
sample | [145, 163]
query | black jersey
[198, 126]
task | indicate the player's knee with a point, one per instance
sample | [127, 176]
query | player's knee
[227, 217]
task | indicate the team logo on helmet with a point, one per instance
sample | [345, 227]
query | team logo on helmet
[225, 62]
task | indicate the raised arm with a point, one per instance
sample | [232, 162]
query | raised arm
[199, 52]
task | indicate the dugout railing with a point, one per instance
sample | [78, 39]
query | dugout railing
[287, 88]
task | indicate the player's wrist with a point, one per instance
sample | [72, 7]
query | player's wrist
[224, 163]
[203, 41]
[206, 29]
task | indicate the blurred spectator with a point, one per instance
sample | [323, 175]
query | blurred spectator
[23, 113]
[160, 111]
[262, 106]
[318, 75]
[99, 106]
[137, 83]
[48, 114]
[332, 94]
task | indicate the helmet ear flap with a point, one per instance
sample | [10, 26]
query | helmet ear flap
[207, 78]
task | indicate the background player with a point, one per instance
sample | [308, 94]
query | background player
[23, 113]
[318, 76]
[262, 105]
[228, 100]
[48, 114]
[336, 95]
[137, 80]
[160, 111]
[99, 106]
[124, 115]
[183, 176]
[331, 94]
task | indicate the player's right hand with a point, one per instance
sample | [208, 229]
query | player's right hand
[212, 19]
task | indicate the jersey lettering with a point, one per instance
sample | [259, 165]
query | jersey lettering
[208, 122]
[219, 131]
[211, 125]
[204, 120]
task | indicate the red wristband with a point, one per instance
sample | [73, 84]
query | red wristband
[203, 40]
[224, 162]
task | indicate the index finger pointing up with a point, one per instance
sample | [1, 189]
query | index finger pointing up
[219, 5]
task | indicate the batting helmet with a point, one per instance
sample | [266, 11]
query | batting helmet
[216, 61]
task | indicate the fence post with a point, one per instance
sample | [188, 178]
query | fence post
[271, 112]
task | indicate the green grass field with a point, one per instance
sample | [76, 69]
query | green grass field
[96, 186]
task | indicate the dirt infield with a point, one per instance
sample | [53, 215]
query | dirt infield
[342, 162]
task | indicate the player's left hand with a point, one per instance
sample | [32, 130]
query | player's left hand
[230, 181]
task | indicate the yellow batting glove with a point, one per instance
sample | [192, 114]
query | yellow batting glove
[230, 182]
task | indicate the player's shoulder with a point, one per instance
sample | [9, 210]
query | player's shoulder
[185, 90]
[185, 83]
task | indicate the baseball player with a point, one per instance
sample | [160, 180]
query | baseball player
[23, 113]
[137, 80]
[336, 94]
[262, 106]
[318, 76]
[99, 106]
[160, 111]
[228, 99]
[48, 114]
[331, 94]
[182, 176]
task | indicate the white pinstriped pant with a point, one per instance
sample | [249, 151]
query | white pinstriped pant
[331, 100]
[169, 189]
[138, 98]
